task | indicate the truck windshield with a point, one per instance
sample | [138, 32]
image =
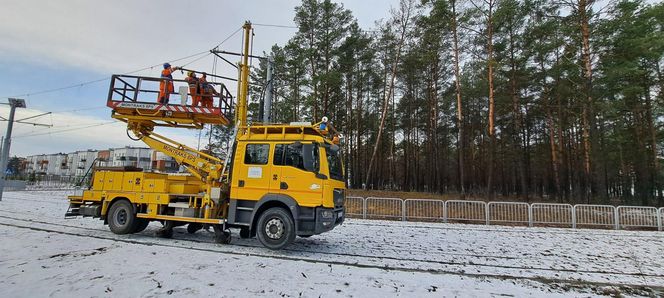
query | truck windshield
[334, 164]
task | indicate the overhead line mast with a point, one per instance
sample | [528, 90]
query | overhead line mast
[243, 90]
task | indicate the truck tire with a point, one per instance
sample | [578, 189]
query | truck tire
[121, 218]
[141, 224]
[275, 228]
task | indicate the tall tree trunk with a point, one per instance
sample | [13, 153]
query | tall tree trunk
[491, 128]
[652, 132]
[518, 121]
[406, 6]
[459, 114]
[555, 164]
[590, 142]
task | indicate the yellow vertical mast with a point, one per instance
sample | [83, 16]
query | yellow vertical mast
[241, 112]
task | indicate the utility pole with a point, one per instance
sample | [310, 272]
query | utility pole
[13, 104]
[269, 90]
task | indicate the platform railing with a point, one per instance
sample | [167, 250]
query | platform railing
[140, 89]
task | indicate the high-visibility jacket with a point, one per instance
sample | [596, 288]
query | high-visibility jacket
[165, 86]
[194, 90]
[207, 91]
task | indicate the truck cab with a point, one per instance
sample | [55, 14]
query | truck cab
[285, 181]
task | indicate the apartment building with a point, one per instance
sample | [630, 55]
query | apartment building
[163, 163]
[77, 163]
[132, 157]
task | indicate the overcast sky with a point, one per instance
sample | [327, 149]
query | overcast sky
[51, 44]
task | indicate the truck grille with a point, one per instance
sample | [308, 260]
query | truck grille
[339, 196]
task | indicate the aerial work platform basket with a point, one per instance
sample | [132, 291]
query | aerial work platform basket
[134, 98]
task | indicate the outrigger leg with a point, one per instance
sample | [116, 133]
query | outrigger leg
[222, 234]
[167, 230]
[194, 227]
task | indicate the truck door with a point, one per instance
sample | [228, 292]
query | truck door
[252, 173]
[299, 166]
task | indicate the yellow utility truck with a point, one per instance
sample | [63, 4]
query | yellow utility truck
[276, 181]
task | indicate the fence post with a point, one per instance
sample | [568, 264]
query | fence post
[364, 208]
[403, 210]
[617, 217]
[660, 213]
[486, 212]
[574, 217]
[444, 211]
[530, 215]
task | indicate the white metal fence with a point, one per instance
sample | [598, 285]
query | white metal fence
[639, 217]
[423, 210]
[355, 207]
[507, 213]
[465, 211]
[383, 208]
[15, 185]
[544, 214]
[595, 216]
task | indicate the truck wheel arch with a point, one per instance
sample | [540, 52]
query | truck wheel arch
[273, 200]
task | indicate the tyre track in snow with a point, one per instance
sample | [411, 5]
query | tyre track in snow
[466, 226]
[508, 229]
[189, 237]
[392, 252]
[179, 243]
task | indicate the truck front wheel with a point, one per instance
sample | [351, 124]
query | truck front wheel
[121, 218]
[276, 228]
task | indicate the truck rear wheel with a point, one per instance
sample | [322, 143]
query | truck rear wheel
[276, 228]
[121, 218]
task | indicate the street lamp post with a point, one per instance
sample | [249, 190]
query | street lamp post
[13, 104]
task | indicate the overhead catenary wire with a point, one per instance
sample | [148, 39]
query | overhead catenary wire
[64, 130]
[97, 80]
[81, 84]
[275, 25]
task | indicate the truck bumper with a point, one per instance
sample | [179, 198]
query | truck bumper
[325, 219]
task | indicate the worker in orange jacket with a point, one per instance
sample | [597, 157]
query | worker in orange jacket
[166, 86]
[207, 91]
[194, 88]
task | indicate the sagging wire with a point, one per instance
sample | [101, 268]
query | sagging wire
[64, 130]
[27, 94]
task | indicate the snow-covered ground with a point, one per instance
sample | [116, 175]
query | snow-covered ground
[43, 254]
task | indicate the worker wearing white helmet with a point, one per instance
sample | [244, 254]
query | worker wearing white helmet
[323, 125]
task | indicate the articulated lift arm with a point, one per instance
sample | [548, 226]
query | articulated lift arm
[204, 166]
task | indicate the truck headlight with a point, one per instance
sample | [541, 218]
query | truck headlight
[327, 214]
